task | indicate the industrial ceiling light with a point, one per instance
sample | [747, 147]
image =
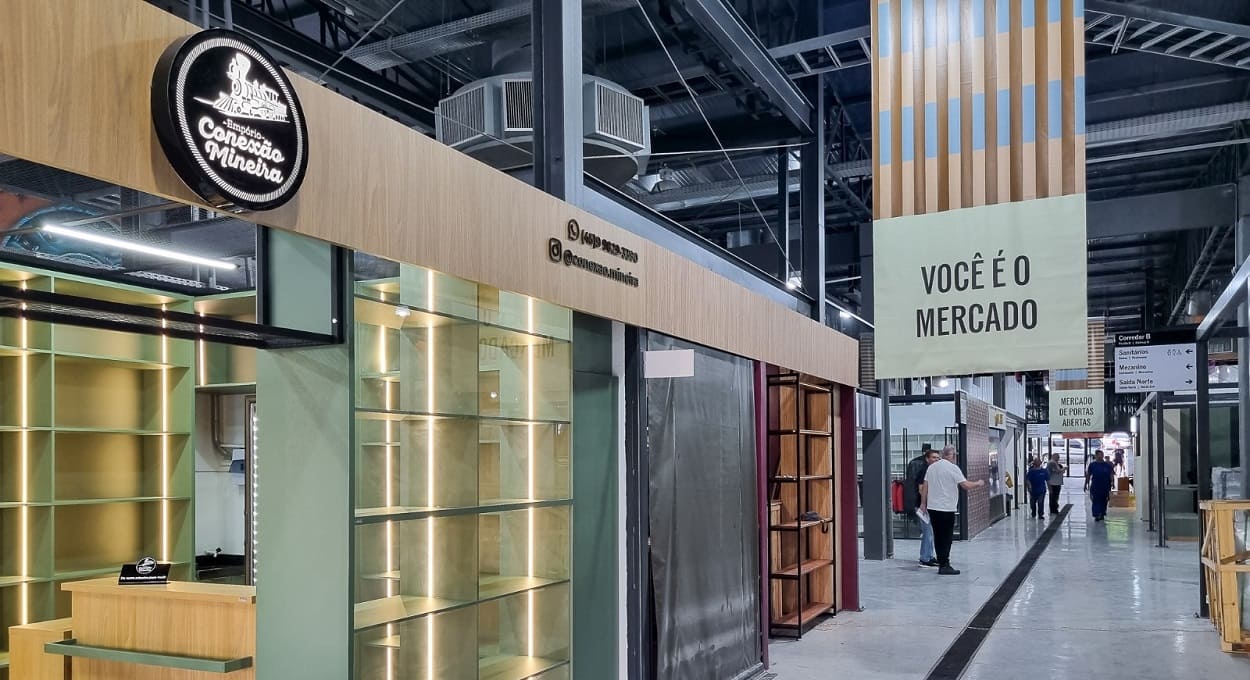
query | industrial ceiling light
[795, 281]
[943, 382]
[844, 314]
[667, 181]
[402, 311]
[122, 244]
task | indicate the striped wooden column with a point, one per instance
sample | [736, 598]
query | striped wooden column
[977, 102]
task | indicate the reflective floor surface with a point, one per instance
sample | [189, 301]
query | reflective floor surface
[1102, 602]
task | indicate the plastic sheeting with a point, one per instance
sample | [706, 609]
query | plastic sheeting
[703, 517]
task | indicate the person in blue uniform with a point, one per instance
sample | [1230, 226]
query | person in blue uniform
[1038, 479]
[1099, 476]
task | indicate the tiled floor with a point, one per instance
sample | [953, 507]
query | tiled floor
[1102, 602]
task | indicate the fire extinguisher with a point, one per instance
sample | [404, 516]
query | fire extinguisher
[896, 495]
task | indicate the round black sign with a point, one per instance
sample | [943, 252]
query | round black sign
[145, 566]
[229, 122]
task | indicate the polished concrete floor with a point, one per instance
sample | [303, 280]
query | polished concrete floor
[1102, 602]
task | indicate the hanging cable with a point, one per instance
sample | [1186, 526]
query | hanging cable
[694, 98]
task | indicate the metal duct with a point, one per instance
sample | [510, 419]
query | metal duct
[457, 34]
[1165, 124]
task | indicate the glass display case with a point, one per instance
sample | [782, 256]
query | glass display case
[462, 481]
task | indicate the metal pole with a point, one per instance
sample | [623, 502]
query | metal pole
[1161, 504]
[1242, 248]
[783, 211]
[876, 498]
[1202, 432]
[1149, 431]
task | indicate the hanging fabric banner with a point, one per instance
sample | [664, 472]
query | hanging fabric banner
[978, 147]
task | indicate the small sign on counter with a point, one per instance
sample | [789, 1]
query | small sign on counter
[146, 572]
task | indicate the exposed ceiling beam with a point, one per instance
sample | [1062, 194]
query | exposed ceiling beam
[1165, 124]
[1172, 211]
[1161, 17]
[725, 28]
[1164, 151]
[1155, 89]
[427, 42]
[305, 54]
[1169, 34]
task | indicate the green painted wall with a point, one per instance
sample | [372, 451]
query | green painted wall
[595, 450]
[303, 463]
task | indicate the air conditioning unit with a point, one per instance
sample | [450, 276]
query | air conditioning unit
[493, 120]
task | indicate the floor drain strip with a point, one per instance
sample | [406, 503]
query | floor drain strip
[959, 655]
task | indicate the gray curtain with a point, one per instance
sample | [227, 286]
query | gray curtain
[703, 517]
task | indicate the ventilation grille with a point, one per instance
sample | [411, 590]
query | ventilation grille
[518, 105]
[462, 116]
[867, 363]
[620, 115]
[1097, 354]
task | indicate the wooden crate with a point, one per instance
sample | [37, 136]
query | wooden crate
[1222, 563]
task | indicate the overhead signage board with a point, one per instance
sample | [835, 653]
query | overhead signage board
[229, 122]
[1076, 411]
[1040, 430]
[990, 289]
[1163, 361]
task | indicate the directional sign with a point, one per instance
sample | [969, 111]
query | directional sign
[1150, 362]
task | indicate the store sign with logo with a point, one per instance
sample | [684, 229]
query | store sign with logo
[1076, 411]
[229, 122]
[989, 289]
[145, 571]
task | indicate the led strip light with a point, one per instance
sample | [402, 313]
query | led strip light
[529, 401]
[388, 488]
[24, 450]
[429, 472]
[164, 441]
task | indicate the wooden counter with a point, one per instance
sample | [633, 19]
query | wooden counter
[179, 631]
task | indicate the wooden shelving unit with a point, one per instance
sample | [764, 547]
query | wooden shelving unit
[801, 545]
[96, 460]
[462, 482]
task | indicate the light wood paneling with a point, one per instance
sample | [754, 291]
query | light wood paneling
[27, 660]
[186, 619]
[372, 185]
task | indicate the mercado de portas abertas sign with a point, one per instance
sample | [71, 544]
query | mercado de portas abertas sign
[229, 122]
[981, 290]
[1076, 411]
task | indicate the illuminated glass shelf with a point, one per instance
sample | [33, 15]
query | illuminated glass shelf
[130, 499]
[63, 429]
[398, 513]
[515, 667]
[133, 363]
[398, 608]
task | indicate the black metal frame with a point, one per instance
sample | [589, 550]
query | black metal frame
[640, 627]
[749, 57]
[81, 311]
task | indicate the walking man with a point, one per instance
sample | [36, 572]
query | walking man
[927, 556]
[942, 483]
[1038, 480]
[1099, 476]
[1056, 471]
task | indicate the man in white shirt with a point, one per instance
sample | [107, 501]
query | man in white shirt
[939, 496]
